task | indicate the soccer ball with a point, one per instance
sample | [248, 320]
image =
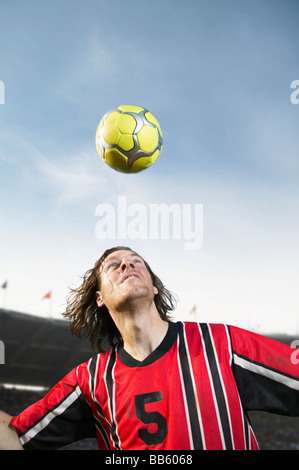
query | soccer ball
[129, 138]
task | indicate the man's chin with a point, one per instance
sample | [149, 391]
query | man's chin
[134, 292]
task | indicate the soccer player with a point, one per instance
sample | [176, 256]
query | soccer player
[160, 385]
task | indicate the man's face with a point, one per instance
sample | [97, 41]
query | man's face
[123, 278]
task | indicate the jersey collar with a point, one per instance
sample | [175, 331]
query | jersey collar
[163, 347]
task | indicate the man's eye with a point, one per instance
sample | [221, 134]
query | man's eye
[111, 266]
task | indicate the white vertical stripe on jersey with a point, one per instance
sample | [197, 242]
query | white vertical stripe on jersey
[111, 397]
[92, 383]
[105, 382]
[229, 345]
[114, 408]
[245, 424]
[184, 396]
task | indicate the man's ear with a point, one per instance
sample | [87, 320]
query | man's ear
[100, 301]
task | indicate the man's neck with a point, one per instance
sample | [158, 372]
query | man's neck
[142, 333]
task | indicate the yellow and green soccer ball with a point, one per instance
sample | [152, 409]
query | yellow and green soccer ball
[129, 138]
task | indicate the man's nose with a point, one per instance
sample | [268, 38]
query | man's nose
[126, 264]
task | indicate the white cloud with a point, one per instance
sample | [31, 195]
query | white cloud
[73, 178]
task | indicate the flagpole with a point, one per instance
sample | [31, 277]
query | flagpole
[48, 296]
[193, 313]
[4, 299]
[4, 287]
[50, 306]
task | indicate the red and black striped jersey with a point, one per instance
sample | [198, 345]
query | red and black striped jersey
[192, 392]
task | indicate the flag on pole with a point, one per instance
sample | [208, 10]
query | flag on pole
[47, 296]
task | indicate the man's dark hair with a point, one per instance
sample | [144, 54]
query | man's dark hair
[93, 322]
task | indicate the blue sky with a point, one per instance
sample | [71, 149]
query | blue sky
[217, 76]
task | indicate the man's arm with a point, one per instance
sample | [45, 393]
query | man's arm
[266, 373]
[8, 436]
[61, 417]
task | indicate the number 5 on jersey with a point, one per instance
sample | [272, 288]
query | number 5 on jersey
[147, 417]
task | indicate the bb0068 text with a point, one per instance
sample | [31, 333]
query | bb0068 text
[170, 459]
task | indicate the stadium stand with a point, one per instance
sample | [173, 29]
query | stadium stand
[38, 351]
